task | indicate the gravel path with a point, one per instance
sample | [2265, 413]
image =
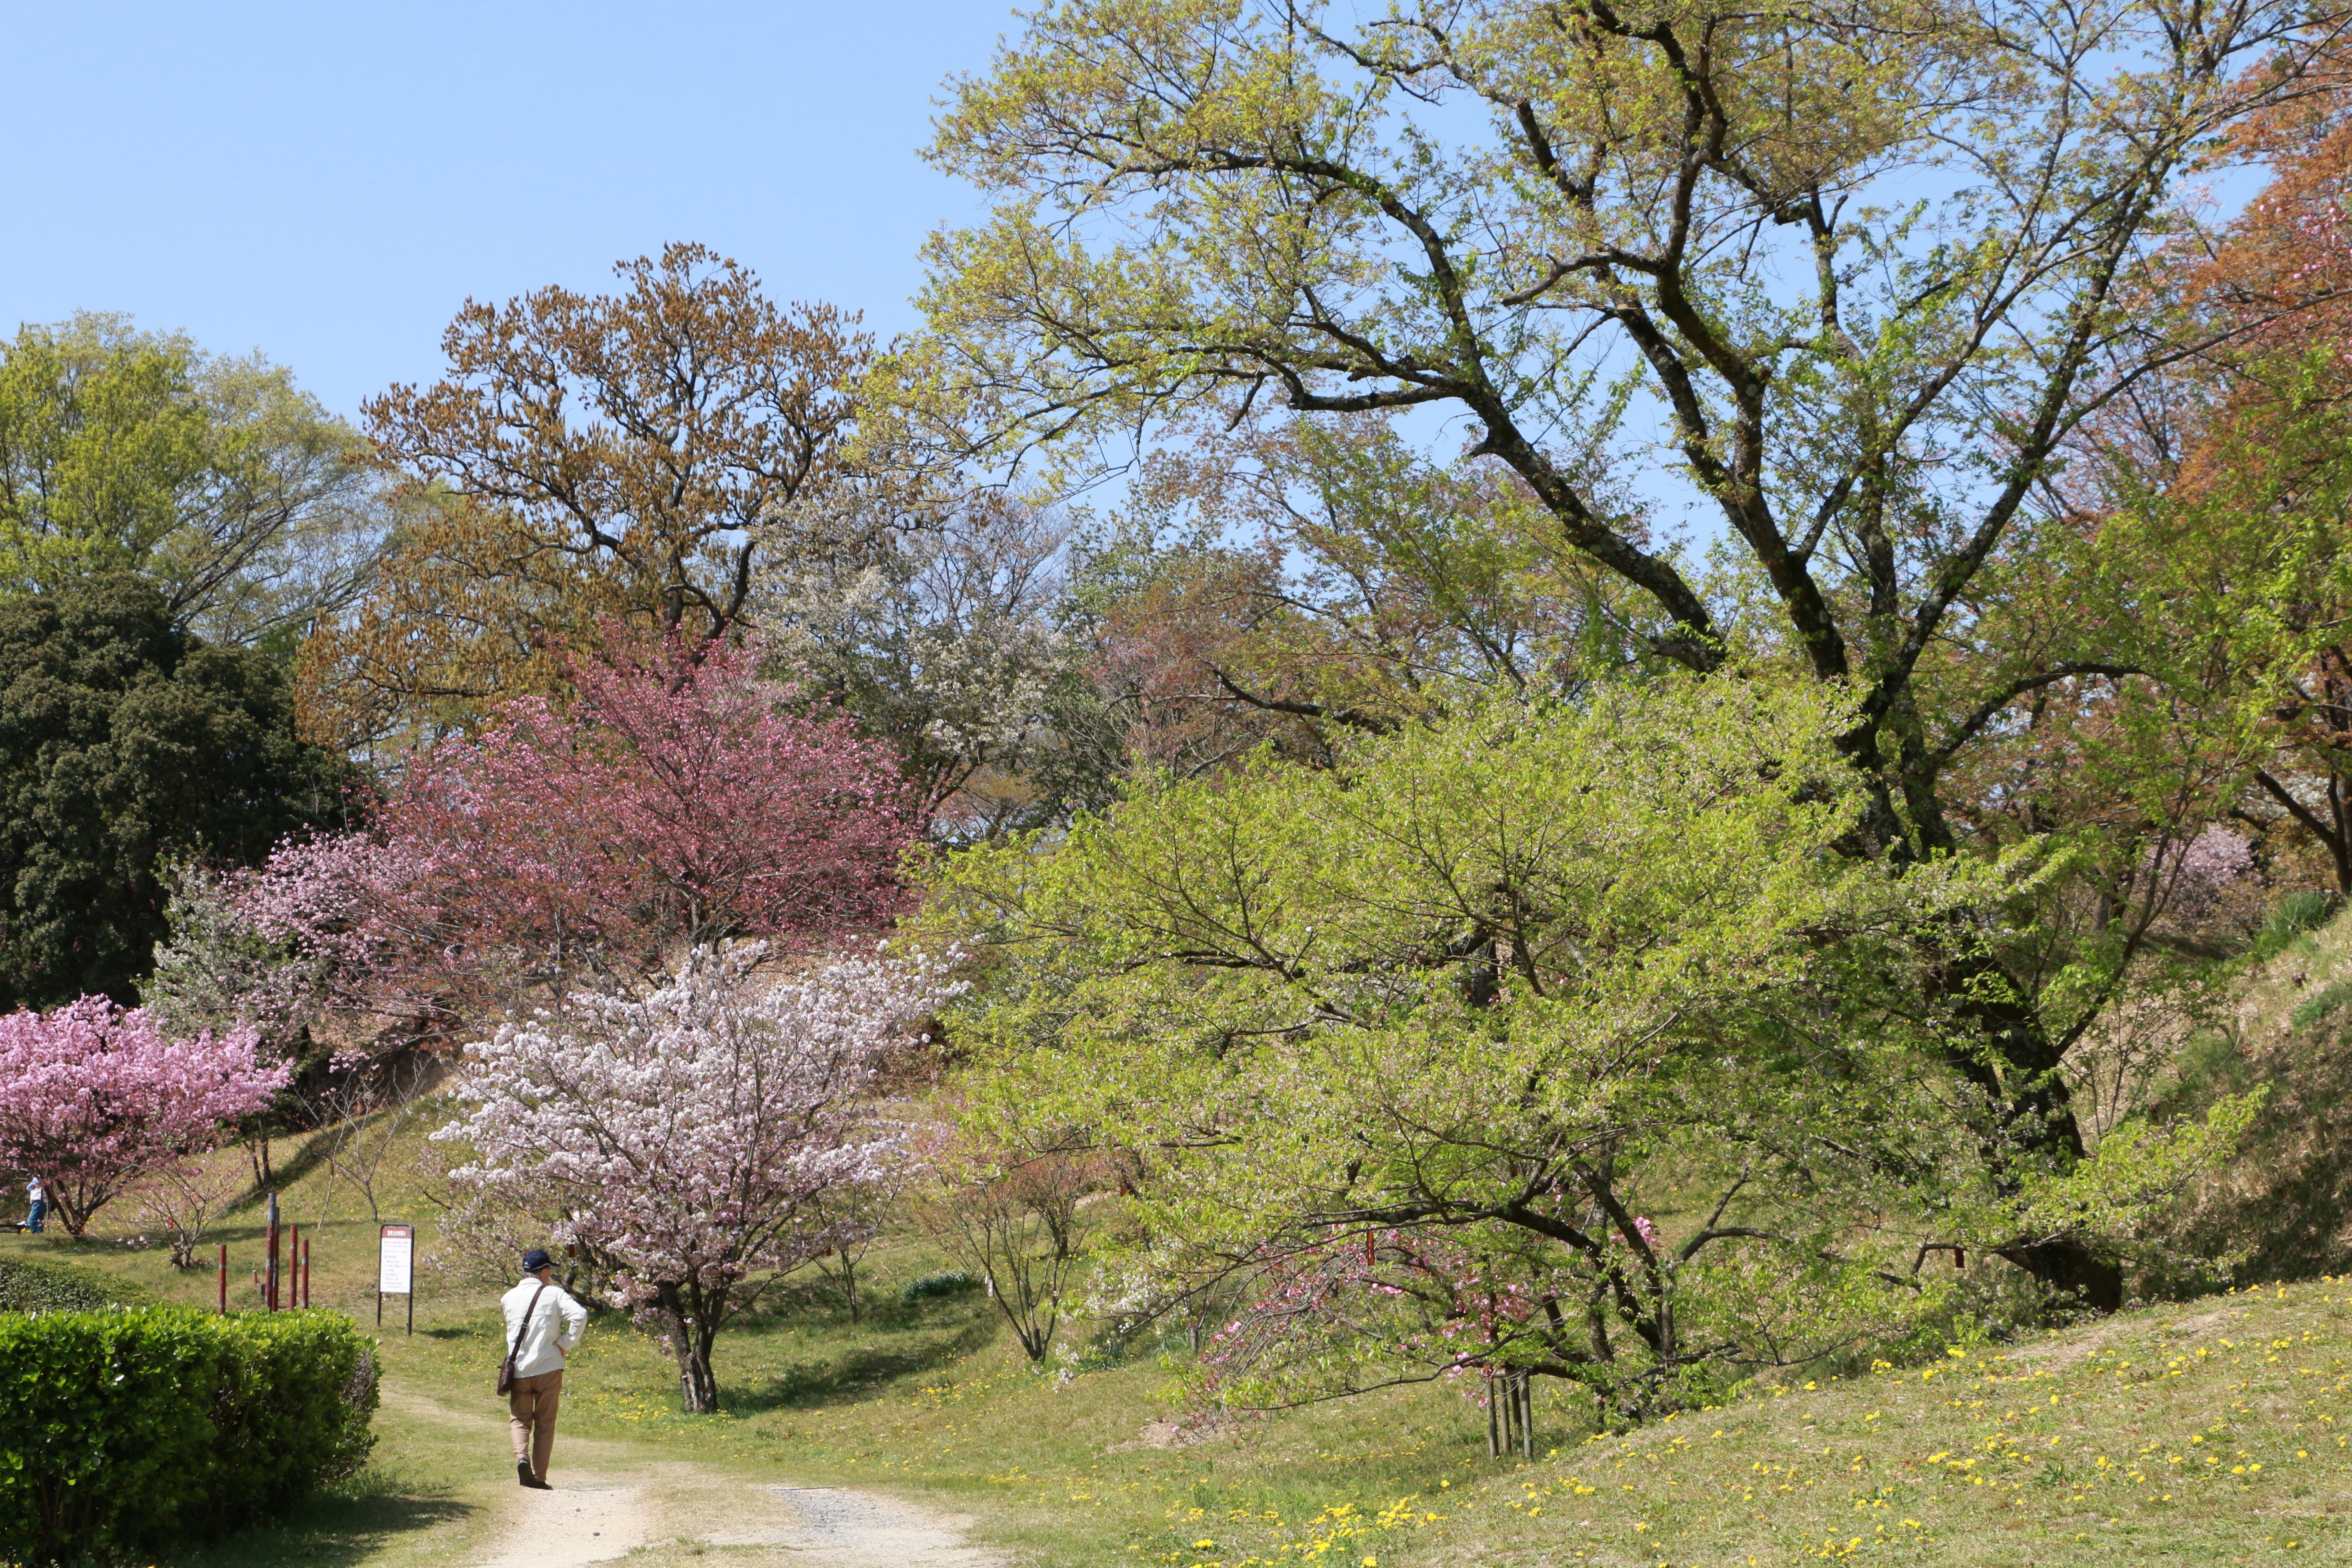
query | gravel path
[858, 1529]
[609, 1498]
[594, 1518]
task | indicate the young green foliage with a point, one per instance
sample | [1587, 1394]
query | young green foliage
[1550, 1038]
[1845, 286]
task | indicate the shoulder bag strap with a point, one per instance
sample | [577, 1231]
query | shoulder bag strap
[515, 1349]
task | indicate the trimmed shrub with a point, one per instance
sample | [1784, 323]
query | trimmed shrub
[38, 1285]
[954, 1282]
[130, 1433]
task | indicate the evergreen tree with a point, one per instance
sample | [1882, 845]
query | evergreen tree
[127, 743]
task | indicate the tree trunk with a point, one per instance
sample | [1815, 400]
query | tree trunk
[694, 1324]
[2069, 1266]
[2026, 1088]
[698, 1388]
[2038, 1111]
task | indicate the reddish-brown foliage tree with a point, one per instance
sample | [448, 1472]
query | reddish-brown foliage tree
[631, 454]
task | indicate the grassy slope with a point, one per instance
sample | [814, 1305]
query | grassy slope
[2286, 1201]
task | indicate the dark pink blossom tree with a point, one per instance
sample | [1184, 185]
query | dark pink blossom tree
[670, 804]
[94, 1098]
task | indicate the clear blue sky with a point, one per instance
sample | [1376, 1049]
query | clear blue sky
[328, 181]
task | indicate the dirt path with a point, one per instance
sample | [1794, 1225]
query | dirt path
[610, 1499]
[591, 1518]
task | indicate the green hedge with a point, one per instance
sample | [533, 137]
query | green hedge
[37, 1285]
[127, 1434]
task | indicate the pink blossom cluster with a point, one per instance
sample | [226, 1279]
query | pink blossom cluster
[669, 804]
[2210, 864]
[356, 914]
[94, 1097]
[2325, 241]
[690, 1136]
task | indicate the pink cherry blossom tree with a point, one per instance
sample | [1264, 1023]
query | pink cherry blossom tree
[93, 1098]
[670, 803]
[693, 1138]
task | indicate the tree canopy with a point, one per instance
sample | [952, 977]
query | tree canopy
[1544, 1038]
[253, 510]
[669, 804]
[1850, 286]
[127, 743]
[635, 456]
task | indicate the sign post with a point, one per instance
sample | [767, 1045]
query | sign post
[395, 1269]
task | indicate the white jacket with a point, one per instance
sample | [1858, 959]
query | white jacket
[553, 1329]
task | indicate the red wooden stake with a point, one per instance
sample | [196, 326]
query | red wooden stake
[306, 1274]
[224, 1277]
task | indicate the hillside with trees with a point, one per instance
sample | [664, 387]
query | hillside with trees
[1598, 713]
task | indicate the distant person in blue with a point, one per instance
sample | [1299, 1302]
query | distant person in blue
[542, 1323]
[40, 1194]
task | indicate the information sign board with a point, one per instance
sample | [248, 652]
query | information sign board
[395, 1260]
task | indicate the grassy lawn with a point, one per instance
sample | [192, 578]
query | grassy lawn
[2211, 1432]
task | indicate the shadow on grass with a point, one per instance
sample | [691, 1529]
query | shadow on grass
[337, 1529]
[446, 1332]
[853, 1373]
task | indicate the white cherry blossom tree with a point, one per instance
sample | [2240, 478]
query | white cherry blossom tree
[692, 1136]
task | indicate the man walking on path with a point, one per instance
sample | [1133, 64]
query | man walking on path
[38, 1192]
[543, 1322]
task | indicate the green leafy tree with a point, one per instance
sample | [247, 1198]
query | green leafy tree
[1542, 1038]
[127, 744]
[252, 509]
[1846, 282]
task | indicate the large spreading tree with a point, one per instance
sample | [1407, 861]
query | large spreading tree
[1547, 1039]
[1846, 284]
[638, 455]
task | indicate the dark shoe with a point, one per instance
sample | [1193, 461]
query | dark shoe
[538, 1485]
[522, 1474]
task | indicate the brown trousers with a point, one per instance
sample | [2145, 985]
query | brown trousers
[530, 1417]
